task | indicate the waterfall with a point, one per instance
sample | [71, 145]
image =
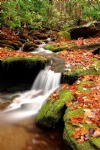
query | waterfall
[30, 102]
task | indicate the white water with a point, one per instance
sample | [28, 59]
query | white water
[41, 50]
[29, 103]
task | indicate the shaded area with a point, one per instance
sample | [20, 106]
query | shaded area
[18, 75]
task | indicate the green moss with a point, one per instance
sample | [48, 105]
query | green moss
[64, 35]
[50, 47]
[82, 87]
[27, 59]
[53, 109]
[95, 142]
[70, 129]
[54, 48]
[68, 137]
[91, 70]
[70, 114]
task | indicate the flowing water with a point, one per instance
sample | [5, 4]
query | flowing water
[41, 50]
[29, 103]
[17, 122]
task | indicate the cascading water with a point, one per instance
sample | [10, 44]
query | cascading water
[29, 103]
[41, 50]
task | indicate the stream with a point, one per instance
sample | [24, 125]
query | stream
[18, 130]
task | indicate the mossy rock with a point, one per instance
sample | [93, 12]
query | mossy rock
[28, 45]
[5, 42]
[63, 36]
[37, 41]
[7, 46]
[4, 105]
[21, 40]
[54, 48]
[69, 130]
[34, 33]
[16, 45]
[52, 111]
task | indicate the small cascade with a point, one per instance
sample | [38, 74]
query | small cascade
[29, 103]
[41, 50]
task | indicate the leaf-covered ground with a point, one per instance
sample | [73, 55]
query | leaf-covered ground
[80, 62]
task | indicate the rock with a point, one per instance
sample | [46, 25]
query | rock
[37, 41]
[57, 64]
[7, 46]
[96, 51]
[3, 105]
[34, 33]
[42, 36]
[16, 45]
[63, 36]
[21, 40]
[52, 111]
[42, 30]
[29, 45]
[87, 30]
[7, 42]
[90, 46]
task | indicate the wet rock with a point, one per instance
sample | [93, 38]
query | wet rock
[37, 41]
[29, 46]
[57, 64]
[16, 45]
[43, 30]
[7, 42]
[34, 33]
[21, 40]
[42, 36]
[3, 105]
[96, 51]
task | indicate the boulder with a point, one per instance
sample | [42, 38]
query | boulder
[63, 36]
[16, 45]
[29, 46]
[87, 30]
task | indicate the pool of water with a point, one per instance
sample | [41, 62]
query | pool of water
[26, 135]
